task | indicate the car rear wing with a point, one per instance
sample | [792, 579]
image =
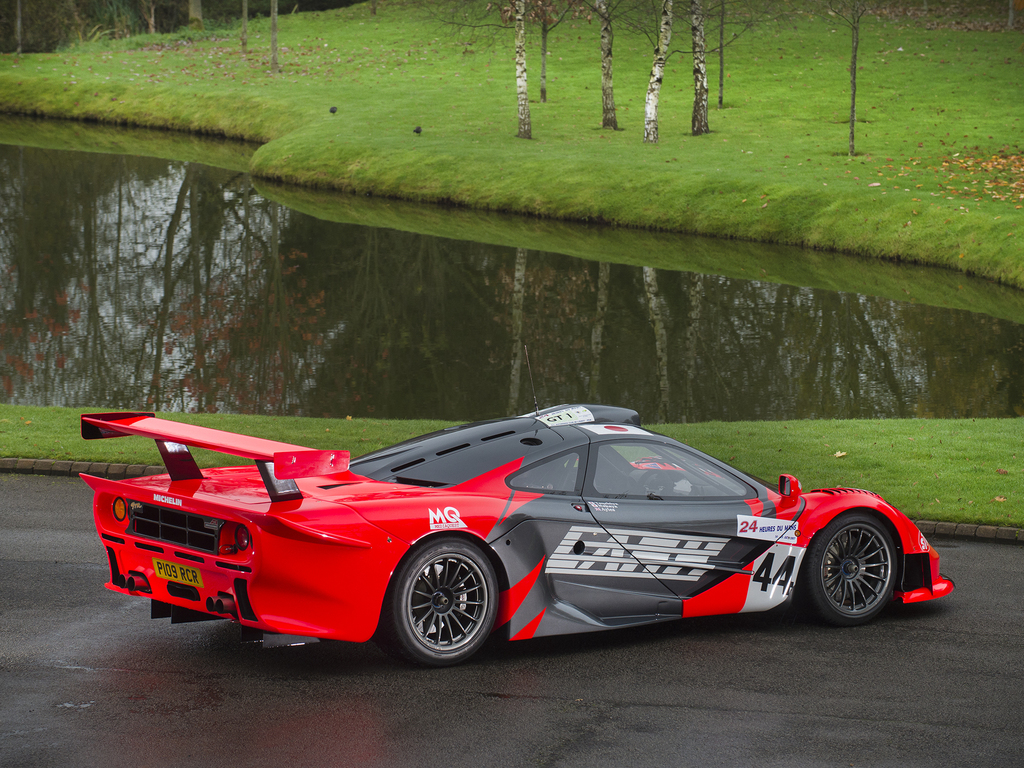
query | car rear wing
[280, 464]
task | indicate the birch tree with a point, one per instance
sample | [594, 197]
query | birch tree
[699, 120]
[656, 315]
[478, 16]
[657, 74]
[518, 298]
[608, 119]
[755, 12]
[523, 99]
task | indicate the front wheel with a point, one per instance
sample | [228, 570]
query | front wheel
[442, 604]
[850, 570]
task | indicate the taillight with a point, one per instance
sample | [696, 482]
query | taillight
[234, 538]
[242, 539]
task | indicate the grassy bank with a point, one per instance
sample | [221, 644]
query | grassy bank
[968, 471]
[937, 179]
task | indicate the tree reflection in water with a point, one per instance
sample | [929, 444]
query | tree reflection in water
[133, 282]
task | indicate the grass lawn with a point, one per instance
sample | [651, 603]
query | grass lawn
[938, 177]
[965, 471]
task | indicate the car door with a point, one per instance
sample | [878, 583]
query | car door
[572, 595]
[675, 511]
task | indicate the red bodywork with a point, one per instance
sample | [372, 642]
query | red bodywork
[321, 544]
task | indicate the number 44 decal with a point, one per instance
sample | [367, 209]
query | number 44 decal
[782, 578]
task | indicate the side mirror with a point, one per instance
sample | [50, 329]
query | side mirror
[789, 486]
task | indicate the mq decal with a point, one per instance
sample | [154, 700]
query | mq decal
[445, 519]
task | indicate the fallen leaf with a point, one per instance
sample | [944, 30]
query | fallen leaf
[999, 498]
[839, 454]
[1003, 471]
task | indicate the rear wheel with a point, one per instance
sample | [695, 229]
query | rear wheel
[442, 604]
[850, 570]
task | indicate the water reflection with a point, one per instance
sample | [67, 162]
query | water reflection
[133, 282]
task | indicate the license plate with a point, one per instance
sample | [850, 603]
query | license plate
[177, 572]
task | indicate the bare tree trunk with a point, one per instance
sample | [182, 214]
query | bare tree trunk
[151, 18]
[518, 296]
[525, 131]
[245, 27]
[657, 74]
[1009, 23]
[597, 332]
[608, 119]
[543, 61]
[855, 26]
[17, 25]
[195, 15]
[699, 123]
[273, 36]
[660, 339]
[198, 342]
[721, 54]
[163, 314]
[695, 289]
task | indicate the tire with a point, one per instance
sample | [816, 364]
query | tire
[849, 570]
[441, 605]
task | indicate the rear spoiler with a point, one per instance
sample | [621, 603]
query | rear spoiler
[280, 464]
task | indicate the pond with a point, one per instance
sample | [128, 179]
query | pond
[141, 283]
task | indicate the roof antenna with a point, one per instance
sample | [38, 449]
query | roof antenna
[529, 368]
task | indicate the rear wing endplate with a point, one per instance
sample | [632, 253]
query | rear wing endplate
[280, 464]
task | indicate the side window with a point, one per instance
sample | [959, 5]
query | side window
[560, 474]
[657, 471]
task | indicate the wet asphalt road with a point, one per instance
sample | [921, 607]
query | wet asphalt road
[87, 679]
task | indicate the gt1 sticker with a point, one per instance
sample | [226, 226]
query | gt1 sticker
[445, 519]
[766, 529]
[575, 415]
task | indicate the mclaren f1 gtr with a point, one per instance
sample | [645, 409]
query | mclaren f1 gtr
[571, 519]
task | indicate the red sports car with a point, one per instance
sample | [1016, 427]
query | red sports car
[573, 519]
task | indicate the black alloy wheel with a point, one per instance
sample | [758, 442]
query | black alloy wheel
[443, 603]
[850, 570]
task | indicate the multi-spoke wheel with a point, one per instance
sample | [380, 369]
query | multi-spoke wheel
[443, 603]
[849, 570]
